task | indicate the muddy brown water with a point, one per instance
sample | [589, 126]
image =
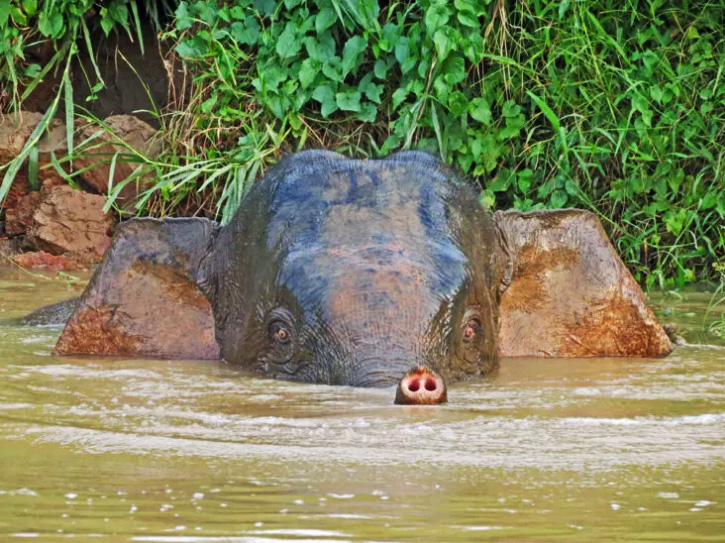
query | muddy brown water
[186, 451]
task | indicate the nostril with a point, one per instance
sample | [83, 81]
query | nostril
[421, 386]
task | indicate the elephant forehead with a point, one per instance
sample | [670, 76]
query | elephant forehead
[374, 244]
[354, 204]
[378, 282]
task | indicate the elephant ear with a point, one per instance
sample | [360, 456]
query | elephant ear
[566, 292]
[143, 300]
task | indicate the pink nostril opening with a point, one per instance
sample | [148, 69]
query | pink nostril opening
[421, 386]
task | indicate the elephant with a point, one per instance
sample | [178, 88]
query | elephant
[368, 273]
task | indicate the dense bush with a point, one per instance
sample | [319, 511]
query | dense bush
[615, 107]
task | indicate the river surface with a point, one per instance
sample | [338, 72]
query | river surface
[188, 451]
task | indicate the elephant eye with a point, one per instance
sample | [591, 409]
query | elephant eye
[279, 332]
[471, 330]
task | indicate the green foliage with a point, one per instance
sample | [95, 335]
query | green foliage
[717, 327]
[614, 107]
[618, 108]
[63, 23]
[25, 23]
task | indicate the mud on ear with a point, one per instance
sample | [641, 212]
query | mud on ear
[144, 299]
[566, 292]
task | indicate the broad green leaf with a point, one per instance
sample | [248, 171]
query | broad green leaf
[442, 43]
[348, 101]
[52, 25]
[29, 6]
[288, 45]
[206, 12]
[326, 97]
[190, 48]
[273, 75]
[265, 7]
[183, 18]
[473, 48]
[4, 12]
[351, 52]
[368, 113]
[237, 12]
[436, 16]
[480, 110]
[370, 89]
[558, 199]
[322, 48]
[442, 88]
[118, 12]
[502, 181]
[398, 97]
[107, 23]
[510, 109]
[571, 188]
[391, 36]
[18, 16]
[454, 70]
[332, 69]
[208, 105]
[373, 92]
[381, 69]
[457, 104]
[525, 178]
[709, 200]
[246, 32]
[325, 19]
[487, 199]
[655, 92]
[308, 71]
[468, 19]
[639, 103]
[402, 51]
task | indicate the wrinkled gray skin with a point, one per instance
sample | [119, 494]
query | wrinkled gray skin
[351, 272]
[54, 314]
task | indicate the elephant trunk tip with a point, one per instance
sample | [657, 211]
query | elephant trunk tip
[421, 386]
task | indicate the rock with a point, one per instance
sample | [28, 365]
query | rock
[18, 189]
[14, 132]
[41, 260]
[9, 247]
[136, 134]
[70, 221]
[54, 140]
[19, 218]
[16, 129]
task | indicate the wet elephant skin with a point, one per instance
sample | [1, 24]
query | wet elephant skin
[354, 272]
[365, 273]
